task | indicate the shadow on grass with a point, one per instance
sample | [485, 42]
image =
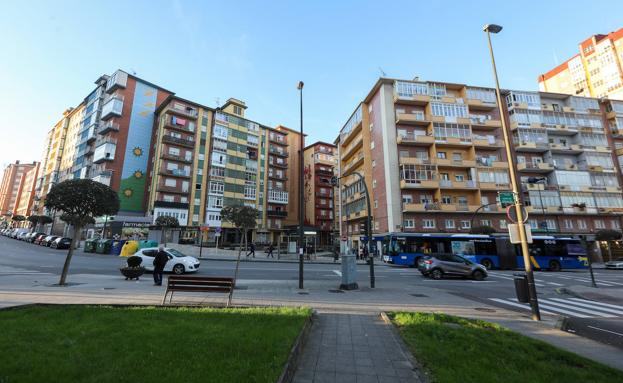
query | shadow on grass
[455, 349]
[146, 344]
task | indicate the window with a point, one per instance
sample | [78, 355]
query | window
[174, 151]
[220, 131]
[503, 224]
[373, 184]
[582, 224]
[441, 155]
[167, 198]
[465, 224]
[615, 225]
[217, 188]
[446, 199]
[407, 198]
[409, 223]
[599, 224]
[551, 224]
[376, 204]
[373, 163]
[568, 224]
[485, 222]
[170, 182]
[372, 145]
[459, 177]
[428, 223]
[449, 224]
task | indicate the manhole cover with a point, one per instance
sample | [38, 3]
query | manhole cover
[336, 291]
[68, 284]
[303, 293]
[419, 295]
[109, 288]
[487, 310]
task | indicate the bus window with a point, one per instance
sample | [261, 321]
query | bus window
[555, 248]
[485, 248]
[463, 248]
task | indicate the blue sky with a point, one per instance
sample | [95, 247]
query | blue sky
[257, 51]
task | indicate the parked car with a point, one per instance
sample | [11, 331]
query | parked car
[26, 236]
[616, 264]
[179, 263]
[34, 236]
[37, 238]
[48, 240]
[61, 243]
[452, 265]
[21, 235]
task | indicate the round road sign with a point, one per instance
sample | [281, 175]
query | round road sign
[511, 213]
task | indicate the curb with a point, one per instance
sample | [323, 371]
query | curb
[417, 367]
[292, 363]
[280, 261]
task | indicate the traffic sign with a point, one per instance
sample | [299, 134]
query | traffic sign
[511, 214]
[334, 181]
[513, 233]
[506, 198]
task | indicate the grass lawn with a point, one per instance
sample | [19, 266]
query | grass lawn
[146, 344]
[455, 349]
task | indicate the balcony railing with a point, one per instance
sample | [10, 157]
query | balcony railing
[172, 157]
[278, 152]
[276, 213]
[175, 172]
[189, 142]
[277, 196]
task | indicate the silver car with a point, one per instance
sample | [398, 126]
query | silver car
[452, 265]
[616, 264]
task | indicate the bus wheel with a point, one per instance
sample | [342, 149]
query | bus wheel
[436, 274]
[554, 266]
[487, 263]
[416, 262]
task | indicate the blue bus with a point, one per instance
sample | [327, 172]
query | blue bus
[493, 252]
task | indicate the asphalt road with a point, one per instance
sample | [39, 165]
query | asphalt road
[602, 321]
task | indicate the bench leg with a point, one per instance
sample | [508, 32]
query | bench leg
[164, 299]
[231, 292]
[170, 297]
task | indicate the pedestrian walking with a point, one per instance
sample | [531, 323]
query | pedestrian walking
[270, 251]
[160, 260]
[251, 250]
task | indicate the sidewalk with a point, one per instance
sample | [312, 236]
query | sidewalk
[608, 295]
[347, 347]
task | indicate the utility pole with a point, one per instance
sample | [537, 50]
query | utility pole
[301, 186]
[534, 304]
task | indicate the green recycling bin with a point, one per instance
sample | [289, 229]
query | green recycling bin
[103, 246]
[147, 243]
[90, 245]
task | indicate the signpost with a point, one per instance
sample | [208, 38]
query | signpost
[202, 228]
[507, 198]
[217, 234]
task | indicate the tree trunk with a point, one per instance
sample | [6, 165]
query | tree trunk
[609, 251]
[238, 261]
[70, 253]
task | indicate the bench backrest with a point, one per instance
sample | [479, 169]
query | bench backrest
[212, 284]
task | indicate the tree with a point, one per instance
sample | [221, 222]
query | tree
[482, 230]
[243, 218]
[80, 201]
[164, 222]
[608, 235]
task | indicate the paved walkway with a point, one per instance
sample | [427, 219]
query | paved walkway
[345, 348]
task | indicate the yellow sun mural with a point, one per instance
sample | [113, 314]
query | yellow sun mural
[138, 174]
[128, 192]
[137, 151]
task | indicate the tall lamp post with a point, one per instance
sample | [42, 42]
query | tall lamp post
[540, 181]
[301, 185]
[534, 304]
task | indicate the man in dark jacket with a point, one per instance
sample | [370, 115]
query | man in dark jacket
[160, 260]
[270, 251]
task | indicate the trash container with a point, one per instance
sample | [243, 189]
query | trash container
[90, 245]
[521, 287]
[116, 246]
[129, 248]
[103, 246]
[147, 243]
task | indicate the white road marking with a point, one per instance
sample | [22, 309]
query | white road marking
[597, 303]
[568, 305]
[338, 272]
[552, 308]
[554, 283]
[589, 304]
[523, 306]
[601, 329]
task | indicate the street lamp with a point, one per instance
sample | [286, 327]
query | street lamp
[540, 180]
[301, 185]
[534, 304]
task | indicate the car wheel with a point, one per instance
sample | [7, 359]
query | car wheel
[436, 274]
[178, 269]
[478, 275]
[487, 264]
[554, 266]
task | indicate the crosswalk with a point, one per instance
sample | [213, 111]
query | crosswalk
[572, 307]
[547, 279]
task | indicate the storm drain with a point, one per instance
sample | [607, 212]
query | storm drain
[108, 288]
[337, 291]
[303, 293]
[485, 309]
[419, 295]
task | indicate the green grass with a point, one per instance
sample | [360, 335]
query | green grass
[146, 344]
[454, 349]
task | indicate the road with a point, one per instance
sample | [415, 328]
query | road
[599, 320]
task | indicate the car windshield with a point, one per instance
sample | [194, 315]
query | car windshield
[176, 253]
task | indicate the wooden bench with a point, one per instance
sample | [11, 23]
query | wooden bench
[199, 284]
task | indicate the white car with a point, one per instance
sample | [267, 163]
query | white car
[178, 263]
[616, 264]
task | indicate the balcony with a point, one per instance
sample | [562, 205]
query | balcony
[477, 104]
[415, 139]
[531, 147]
[485, 163]
[277, 196]
[104, 152]
[182, 111]
[459, 208]
[416, 161]
[112, 108]
[276, 213]
[419, 184]
[102, 176]
[352, 148]
[175, 173]
[485, 143]
[414, 99]
[277, 152]
[278, 177]
[354, 164]
[462, 185]
[453, 142]
[187, 142]
[483, 122]
[493, 186]
[324, 161]
[561, 130]
[108, 127]
[418, 119]
[172, 157]
[323, 170]
[171, 189]
[445, 162]
[283, 164]
[542, 167]
[277, 139]
[183, 127]
[413, 207]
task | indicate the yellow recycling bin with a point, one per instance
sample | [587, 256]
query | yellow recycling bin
[129, 248]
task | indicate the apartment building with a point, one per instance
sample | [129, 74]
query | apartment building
[596, 71]
[320, 161]
[433, 158]
[25, 200]
[12, 185]
[207, 158]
